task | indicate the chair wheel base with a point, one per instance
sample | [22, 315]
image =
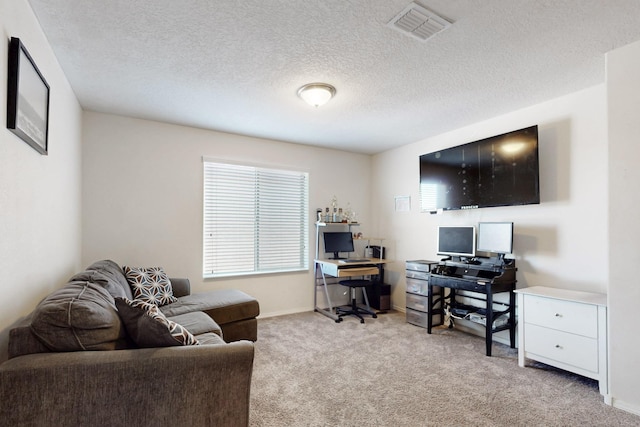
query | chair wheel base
[353, 309]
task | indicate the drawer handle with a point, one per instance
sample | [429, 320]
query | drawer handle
[558, 315]
[558, 346]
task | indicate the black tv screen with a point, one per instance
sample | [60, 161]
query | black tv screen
[497, 171]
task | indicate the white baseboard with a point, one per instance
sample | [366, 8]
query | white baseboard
[284, 312]
[616, 403]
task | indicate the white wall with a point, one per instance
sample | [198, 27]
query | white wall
[143, 183]
[40, 219]
[142, 198]
[623, 86]
[562, 242]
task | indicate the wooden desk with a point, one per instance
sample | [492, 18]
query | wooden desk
[336, 268]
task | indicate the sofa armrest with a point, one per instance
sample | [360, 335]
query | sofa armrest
[195, 386]
[181, 286]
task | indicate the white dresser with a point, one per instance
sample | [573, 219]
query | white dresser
[566, 329]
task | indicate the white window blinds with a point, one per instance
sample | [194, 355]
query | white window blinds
[255, 220]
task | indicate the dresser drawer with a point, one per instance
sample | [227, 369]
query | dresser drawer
[418, 286]
[574, 350]
[419, 266]
[417, 302]
[422, 275]
[567, 316]
[419, 318]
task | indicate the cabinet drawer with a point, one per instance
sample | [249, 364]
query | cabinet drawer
[574, 350]
[417, 302]
[418, 286]
[419, 318]
[567, 316]
[422, 275]
[418, 266]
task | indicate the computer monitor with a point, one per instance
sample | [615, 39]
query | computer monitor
[338, 241]
[457, 241]
[495, 237]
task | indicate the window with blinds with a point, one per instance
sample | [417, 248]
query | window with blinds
[255, 220]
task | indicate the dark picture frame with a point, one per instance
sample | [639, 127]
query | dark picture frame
[27, 99]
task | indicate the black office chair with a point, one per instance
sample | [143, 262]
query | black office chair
[354, 309]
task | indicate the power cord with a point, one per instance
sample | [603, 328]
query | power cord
[449, 316]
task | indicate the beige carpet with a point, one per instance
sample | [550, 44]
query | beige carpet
[311, 371]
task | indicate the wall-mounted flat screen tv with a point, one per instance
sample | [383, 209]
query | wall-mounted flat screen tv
[498, 171]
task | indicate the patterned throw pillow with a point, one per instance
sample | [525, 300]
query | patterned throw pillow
[148, 327]
[150, 284]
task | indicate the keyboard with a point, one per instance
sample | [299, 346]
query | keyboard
[352, 260]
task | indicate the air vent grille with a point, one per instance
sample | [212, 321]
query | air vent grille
[418, 22]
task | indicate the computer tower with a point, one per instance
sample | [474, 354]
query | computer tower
[379, 295]
[375, 252]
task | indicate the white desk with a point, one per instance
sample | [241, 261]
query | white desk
[335, 268]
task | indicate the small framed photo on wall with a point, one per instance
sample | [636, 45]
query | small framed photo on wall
[27, 98]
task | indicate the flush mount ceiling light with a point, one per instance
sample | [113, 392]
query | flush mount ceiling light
[316, 94]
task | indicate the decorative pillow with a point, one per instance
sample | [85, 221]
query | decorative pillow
[148, 327]
[150, 285]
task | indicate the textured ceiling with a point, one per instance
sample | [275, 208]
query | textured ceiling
[235, 65]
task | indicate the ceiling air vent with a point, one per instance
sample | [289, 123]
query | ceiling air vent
[418, 22]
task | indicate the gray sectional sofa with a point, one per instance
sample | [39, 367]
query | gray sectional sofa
[77, 360]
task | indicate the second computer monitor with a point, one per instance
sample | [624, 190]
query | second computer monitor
[495, 237]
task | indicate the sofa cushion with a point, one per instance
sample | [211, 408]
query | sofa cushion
[197, 323]
[148, 327]
[101, 279]
[150, 284]
[113, 271]
[210, 339]
[224, 305]
[79, 316]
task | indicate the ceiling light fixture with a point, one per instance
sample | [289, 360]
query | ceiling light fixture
[316, 94]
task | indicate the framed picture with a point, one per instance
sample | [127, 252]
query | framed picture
[27, 98]
[403, 203]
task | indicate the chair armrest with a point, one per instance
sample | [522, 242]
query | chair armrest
[181, 286]
[197, 385]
